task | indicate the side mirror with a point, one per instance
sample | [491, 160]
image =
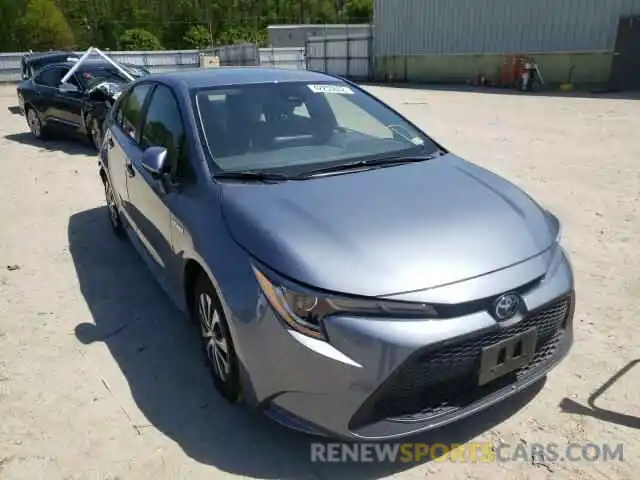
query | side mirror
[68, 88]
[154, 160]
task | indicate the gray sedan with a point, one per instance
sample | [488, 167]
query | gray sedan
[349, 275]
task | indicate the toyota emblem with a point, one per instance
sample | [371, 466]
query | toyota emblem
[506, 306]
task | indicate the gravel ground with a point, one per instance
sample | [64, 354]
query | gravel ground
[101, 379]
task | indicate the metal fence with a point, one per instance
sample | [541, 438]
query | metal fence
[170, 60]
[283, 57]
[155, 61]
[245, 54]
[347, 56]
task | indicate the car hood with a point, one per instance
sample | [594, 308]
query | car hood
[390, 230]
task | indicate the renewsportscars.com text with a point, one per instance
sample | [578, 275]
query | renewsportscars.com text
[473, 452]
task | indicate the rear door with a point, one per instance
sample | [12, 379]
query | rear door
[44, 100]
[69, 104]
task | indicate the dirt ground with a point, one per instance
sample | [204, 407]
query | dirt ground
[101, 379]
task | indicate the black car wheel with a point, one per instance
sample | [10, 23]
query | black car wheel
[96, 134]
[112, 207]
[216, 340]
[35, 124]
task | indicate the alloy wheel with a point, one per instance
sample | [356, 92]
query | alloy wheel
[35, 125]
[214, 336]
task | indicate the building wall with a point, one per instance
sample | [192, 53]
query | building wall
[422, 27]
[451, 41]
[585, 68]
[297, 35]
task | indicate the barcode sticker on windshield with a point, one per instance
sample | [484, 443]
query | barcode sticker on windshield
[339, 89]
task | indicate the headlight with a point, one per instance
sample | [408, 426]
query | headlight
[306, 311]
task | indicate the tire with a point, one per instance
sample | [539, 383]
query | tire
[216, 340]
[38, 130]
[96, 133]
[115, 220]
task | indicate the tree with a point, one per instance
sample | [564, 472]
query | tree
[171, 23]
[10, 9]
[139, 39]
[359, 10]
[197, 37]
[43, 27]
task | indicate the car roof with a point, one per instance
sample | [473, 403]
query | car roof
[233, 76]
[91, 63]
[31, 57]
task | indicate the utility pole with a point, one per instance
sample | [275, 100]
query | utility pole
[211, 35]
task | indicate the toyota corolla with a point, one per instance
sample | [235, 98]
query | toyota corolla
[350, 276]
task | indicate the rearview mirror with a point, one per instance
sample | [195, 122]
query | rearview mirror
[68, 88]
[154, 160]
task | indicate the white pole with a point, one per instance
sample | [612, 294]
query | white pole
[126, 74]
[73, 69]
[86, 54]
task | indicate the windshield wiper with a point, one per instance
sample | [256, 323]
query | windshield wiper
[253, 176]
[373, 163]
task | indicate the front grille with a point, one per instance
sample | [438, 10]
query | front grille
[438, 382]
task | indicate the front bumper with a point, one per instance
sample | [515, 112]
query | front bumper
[384, 379]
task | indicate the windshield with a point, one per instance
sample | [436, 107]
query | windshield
[297, 126]
[91, 77]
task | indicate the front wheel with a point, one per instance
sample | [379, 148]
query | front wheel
[216, 340]
[35, 124]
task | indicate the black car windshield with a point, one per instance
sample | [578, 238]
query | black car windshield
[294, 126]
[94, 75]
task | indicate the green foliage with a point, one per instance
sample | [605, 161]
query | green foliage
[43, 26]
[173, 24]
[10, 9]
[197, 37]
[358, 10]
[139, 39]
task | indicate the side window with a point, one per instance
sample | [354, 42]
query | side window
[132, 110]
[163, 127]
[75, 81]
[49, 77]
[117, 109]
[301, 111]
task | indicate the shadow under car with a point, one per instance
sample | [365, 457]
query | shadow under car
[70, 146]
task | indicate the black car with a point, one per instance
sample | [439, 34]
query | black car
[77, 107]
[32, 63]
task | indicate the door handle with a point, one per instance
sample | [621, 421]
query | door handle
[130, 171]
[111, 143]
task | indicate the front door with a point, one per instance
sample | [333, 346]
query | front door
[122, 138]
[152, 199]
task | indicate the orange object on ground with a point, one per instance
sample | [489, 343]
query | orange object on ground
[510, 70]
